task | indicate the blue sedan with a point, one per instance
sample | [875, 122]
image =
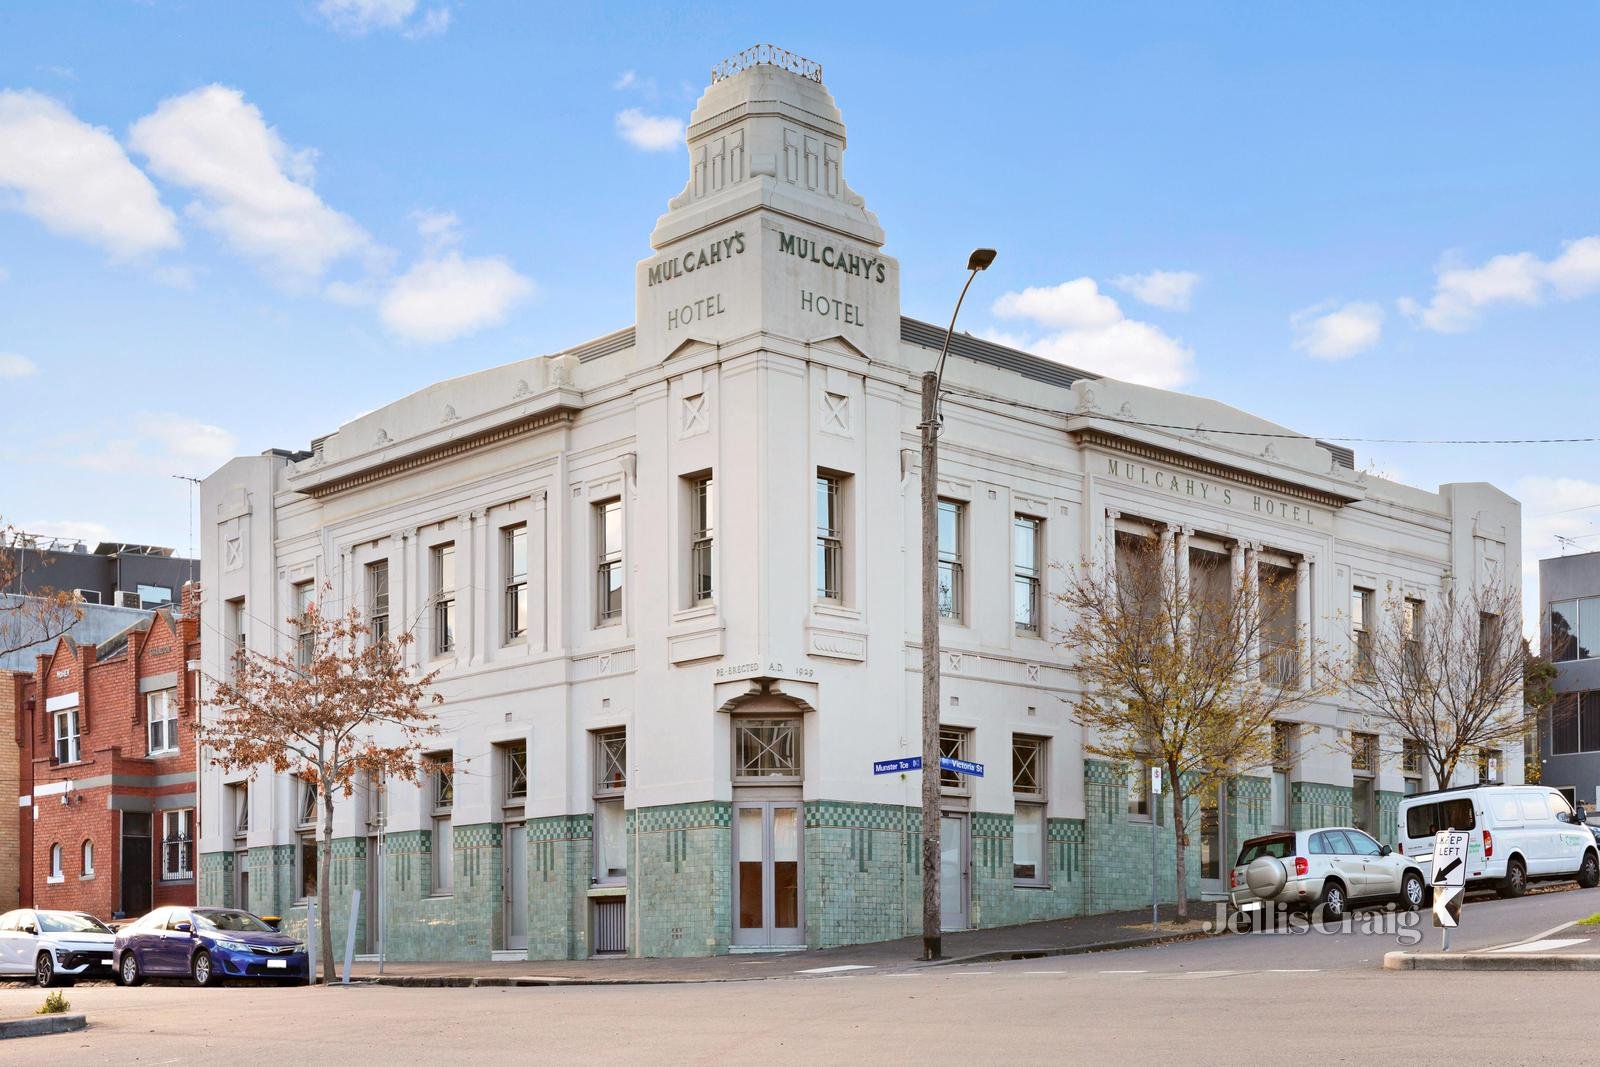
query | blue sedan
[208, 945]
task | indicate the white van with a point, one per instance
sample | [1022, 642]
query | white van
[1520, 833]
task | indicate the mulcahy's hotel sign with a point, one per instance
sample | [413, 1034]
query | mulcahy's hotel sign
[1177, 484]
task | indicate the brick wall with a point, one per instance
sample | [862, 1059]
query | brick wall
[10, 779]
[116, 773]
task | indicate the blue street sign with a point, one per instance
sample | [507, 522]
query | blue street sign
[897, 766]
[914, 763]
[961, 766]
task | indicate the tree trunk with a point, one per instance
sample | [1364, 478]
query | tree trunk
[1182, 865]
[324, 871]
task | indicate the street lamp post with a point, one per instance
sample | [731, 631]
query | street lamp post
[930, 424]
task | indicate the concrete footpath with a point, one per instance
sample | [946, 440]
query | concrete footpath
[1571, 946]
[1061, 937]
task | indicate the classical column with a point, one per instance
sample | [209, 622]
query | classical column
[468, 636]
[1181, 549]
[538, 573]
[410, 599]
[1302, 617]
[1252, 586]
[1110, 552]
[1169, 533]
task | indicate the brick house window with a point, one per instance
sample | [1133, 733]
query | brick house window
[161, 718]
[66, 734]
[55, 864]
[87, 855]
[177, 844]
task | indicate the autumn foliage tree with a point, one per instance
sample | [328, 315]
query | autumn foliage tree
[1185, 669]
[1446, 676]
[38, 617]
[338, 708]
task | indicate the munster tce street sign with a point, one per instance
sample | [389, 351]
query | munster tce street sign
[914, 763]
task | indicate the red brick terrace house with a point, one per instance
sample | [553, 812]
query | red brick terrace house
[108, 769]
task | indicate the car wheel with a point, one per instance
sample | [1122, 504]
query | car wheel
[1516, 880]
[1589, 873]
[128, 969]
[202, 970]
[1412, 891]
[1334, 903]
[44, 971]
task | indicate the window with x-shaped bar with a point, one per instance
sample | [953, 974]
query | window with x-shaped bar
[767, 750]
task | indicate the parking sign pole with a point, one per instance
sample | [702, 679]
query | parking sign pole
[1155, 792]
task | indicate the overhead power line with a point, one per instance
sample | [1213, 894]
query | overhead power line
[1285, 435]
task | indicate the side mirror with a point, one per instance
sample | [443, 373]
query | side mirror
[30, 929]
[1385, 850]
[183, 928]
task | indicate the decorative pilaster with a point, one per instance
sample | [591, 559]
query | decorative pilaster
[1302, 618]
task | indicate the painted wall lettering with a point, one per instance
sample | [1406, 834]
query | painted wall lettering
[838, 310]
[696, 311]
[843, 260]
[1174, 483]
[677, 265]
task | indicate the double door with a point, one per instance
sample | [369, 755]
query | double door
[767, 897]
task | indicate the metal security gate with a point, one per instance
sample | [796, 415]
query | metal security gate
[610, 926]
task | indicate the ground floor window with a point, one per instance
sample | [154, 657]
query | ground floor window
[177, 843]
[88, 859]
[55, 863]
[307, 855]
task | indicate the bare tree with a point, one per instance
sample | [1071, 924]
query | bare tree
[317, 712]
[1538, 693]
[1446, 676]
[1184, 674]
[35, 618]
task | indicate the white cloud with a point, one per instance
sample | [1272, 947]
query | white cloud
[163, 443]
[446, 296]
[255, 192]
[5, 275]
[1090, 331]
[625, 80]
[651, 133]
[1167, 289]
[361, 17]
[1461, 293]
[75, 179]
[1333, 332]
[14, 366]
[438, 229]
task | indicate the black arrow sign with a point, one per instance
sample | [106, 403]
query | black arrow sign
[1441, 875]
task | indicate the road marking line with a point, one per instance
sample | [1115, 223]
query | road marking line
[1124, 972]
[1294, 970]
[1186, 975]
[1546, 945]
[973, 973]
[1536, 937]
[837, 969]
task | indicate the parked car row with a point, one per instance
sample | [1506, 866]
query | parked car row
[207, 945]
[1519, 834]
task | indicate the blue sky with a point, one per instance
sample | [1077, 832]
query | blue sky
[227, 227]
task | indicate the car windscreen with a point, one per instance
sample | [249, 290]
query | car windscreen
[1425, 820]
[1277, 847]
[236, 921]
[67, 922]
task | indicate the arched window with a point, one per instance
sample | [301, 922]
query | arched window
[55, 863]
[88, 858]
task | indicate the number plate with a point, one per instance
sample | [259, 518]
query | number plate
[278, 963]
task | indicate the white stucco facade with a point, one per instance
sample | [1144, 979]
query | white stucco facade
[768, 350]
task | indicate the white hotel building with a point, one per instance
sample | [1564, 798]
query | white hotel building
[671, 578]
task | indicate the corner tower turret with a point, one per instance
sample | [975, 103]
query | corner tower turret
[767, 236]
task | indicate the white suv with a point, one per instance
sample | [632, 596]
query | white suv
[1520, 833]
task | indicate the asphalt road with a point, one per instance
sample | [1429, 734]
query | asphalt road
[1315, 997]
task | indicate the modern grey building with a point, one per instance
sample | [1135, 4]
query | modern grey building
[1569, 746]
[122, 575]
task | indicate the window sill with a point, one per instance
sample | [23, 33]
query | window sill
[177, 879]
[86, 877]
[440, 896]
[57, 880]
[618, 890]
